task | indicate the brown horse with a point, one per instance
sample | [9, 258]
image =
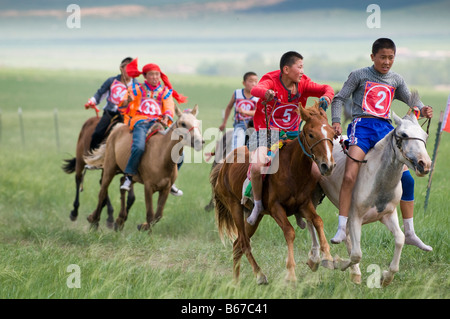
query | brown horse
[78, 165]
[289, 191]
[157, 168]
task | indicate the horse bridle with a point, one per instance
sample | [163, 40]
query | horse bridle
[399, 140]
[312, 156]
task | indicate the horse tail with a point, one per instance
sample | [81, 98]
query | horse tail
[69, 166]
[96, 157]
[224, 219]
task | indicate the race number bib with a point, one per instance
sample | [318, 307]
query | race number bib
[149, 107]
[377, 99]
[246, 105]
[284, 117]
[117, 92]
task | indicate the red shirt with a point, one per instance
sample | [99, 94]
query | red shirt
[281, 112]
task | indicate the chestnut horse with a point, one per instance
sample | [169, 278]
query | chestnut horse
[78, 165]
[289, 191]
[157, 168]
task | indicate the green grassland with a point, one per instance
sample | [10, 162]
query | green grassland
[183, 257]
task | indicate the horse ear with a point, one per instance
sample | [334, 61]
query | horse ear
[304, 113]
[297, 110]
[397, 119]
[177, 111]
[195, 110]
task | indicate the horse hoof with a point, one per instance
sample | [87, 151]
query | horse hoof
[143, 227]
[72, 217]
[118, 227]
[355, 278]
[386, 278]
[312, 265]
[109, 224]
[261, 279]
[329, 264]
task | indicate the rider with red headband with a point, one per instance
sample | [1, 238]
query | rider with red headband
[151, 102]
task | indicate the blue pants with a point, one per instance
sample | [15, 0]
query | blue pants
[408, 186]
[138, 146]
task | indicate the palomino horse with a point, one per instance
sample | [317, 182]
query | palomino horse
[77, 165]
[157, 168]
[287, 192]
[378, 188]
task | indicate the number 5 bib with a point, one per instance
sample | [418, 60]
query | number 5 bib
[284, 117]
[377, 99]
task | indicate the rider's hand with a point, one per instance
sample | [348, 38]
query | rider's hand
[270, 94]
[324, 101]
[91, 103]
[427, 111]
[337, 128]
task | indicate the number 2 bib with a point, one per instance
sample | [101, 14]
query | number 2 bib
[284, 117]
[377, 99]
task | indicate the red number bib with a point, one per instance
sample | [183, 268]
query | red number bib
[149, 107]
[284, 117]
[377, 99]
[117, 92]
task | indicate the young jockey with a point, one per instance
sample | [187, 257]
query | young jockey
[154, 101]
[290, 86]
[244, 108]
[114, 88]
[373, 89]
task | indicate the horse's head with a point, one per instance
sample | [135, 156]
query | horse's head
[317, 136]
[411, 141]
[188, 127]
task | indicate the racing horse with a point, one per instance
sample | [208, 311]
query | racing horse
[78, 165]
[378, 189]
[288, 191]
[157, 168]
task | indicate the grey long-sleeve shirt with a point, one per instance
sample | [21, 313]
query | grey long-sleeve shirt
[358, 85]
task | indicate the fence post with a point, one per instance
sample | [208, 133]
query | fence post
[56, 128]
[22, 131]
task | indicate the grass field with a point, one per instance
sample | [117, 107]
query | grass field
[183, 257]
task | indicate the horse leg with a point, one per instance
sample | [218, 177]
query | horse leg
[78, 181]
[242, 244]
[107, 177]
[311, 215]
[279, 214]
[120, 221]
[130, 199]
[314, 254]
[148, 194]
[354, 225]
[355, 271]
[391, 222]
[110, 211]
[162, 198]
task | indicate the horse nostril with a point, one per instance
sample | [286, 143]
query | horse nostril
[324, 168]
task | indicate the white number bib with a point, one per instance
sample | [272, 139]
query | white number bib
[377, 99]
[150, 107]
[117, 92]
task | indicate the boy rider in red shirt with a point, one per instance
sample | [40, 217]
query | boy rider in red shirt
[290, 87]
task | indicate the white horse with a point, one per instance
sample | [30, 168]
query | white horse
[378, 188]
